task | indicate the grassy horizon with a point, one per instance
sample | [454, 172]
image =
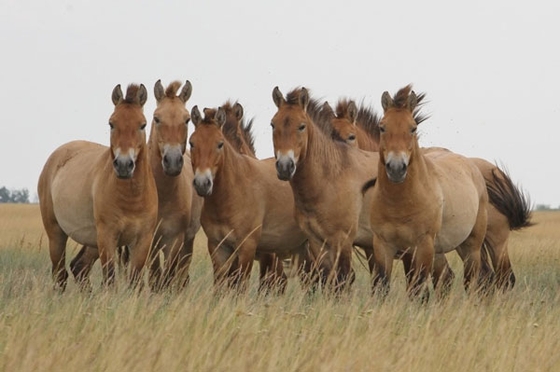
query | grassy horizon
[198, 330]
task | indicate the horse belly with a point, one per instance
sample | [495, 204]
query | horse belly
[281, 238]
[73, 202]
[460, 212]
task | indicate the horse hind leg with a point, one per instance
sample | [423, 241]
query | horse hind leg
[57, 251]
[496, 247]
[470, 252]
[442, 276]
[81, 266]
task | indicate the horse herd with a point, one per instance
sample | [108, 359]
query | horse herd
[340, 178]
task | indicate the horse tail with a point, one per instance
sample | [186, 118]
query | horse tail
[509, 199]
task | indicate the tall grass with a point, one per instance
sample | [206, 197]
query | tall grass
[199, 330]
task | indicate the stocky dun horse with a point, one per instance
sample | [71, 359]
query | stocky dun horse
[508, 210]
[246, 208]
[100, 196]
[423, 203]
[326, 178]
[238, 133]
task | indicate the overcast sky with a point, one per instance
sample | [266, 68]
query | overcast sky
[490, 70]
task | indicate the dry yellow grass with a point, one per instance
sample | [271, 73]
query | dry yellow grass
[195, 330]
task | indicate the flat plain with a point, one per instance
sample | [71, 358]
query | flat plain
[196, 329]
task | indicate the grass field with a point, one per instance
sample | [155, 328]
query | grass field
[195, 330]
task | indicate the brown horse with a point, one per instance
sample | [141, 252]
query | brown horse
[238, 133]
[246, 209]
[102, 197]
[326, 178]
[423, 203]
[509, 209]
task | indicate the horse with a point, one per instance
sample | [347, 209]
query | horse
[509, 208]
[246, 209]
[423, 202]
[238, 133]
[102, 197]
[326, 178]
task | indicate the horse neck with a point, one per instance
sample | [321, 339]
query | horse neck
[321, 161]
[365, 141]
[230, 177]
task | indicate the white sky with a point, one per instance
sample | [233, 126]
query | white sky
[490, 70]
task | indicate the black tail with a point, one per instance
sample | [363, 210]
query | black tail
[509, 199]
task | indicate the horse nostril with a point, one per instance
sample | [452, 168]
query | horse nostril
[130, 165]
[115, 163]
[165, 160]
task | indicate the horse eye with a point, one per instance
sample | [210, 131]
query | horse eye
[301, 128]
[220, 145]
[143, 126]
[352, 137]
[156, 119]
[191, 145]
[382, 129]
[111, 125]
[413, 130]
[272, 125]
[187, 121]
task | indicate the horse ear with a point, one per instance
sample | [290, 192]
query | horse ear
[220, 117]
[238, 111]
[352, 112]
[117, 96]
[277, 97]
[142, 95]
[327, 109]
[412, 101]
[158, 90]
[303, 99]
[195, 116]
[186, 92]
[386, 101]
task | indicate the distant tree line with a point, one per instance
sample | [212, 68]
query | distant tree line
[13, 196]
[545, 207]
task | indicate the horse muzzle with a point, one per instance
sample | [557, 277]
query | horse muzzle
[203, 184]
[124, 167]
[285, 168]
[396, 171]
[172, 162]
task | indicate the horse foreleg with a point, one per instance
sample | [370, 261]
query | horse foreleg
[106, 244]
[246, 256]
[383, 266]
[422, 265]
[139, 255]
